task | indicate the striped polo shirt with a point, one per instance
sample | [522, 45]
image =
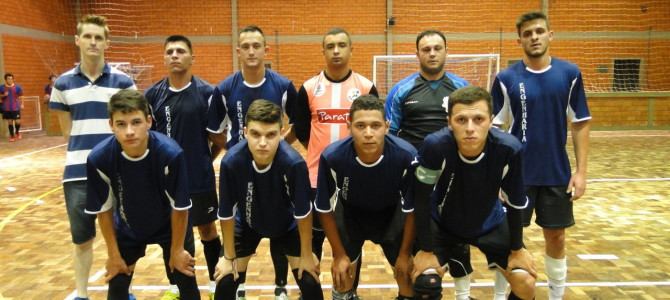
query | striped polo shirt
[86, 102]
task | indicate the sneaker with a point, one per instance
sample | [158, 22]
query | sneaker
[241, 294]
[281, 293]
[170, 295]
[12, 139]
[131, 297]
[18, 137]
[80, 298]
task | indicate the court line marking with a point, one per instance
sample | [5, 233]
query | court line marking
[628, 179]
[17, 211]
[393, 286]
[31, 153]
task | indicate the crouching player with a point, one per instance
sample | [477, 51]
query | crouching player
[462, 171]
[264, 193]
[362, 190]
[137, 185]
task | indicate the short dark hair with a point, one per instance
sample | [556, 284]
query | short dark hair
[428, 33]
[127, 101]
[469, 95]
[179, 38]
[530, 16]
[336, 31]
[264, 111]
[253, 28]
[366, 102]
[8, 75]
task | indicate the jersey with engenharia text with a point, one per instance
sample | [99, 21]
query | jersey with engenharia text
[465, 200]
[268, 200]
[417, 107]
[232, 97]
[86, 102]
[141, 191]
[366, 188]
[323, 111]
[182, 116]
[538, 105]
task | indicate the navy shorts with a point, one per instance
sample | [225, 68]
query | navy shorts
[205, 206]
[454, 250]
[11, 115]
[132, 249]
[384, 228]
[82, 225]
[552, 206]
[247, 240]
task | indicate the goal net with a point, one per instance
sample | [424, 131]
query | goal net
[477, 69]
[141, 74]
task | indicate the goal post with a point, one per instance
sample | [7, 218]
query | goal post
[477, 69]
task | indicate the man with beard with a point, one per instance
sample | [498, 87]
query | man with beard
[536, 98]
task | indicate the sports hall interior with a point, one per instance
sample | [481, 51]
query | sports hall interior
[618, 249]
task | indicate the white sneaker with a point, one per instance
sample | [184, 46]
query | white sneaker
[281, 293]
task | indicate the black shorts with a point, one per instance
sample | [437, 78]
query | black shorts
[552, 207]
[11, 115]
[454, 250]
[247, 240]
[132, 250]
[205, 206]
[382, 228]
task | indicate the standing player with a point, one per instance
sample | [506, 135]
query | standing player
[369, 175]
[264, 193]
[538, 97]
[417, 105]
[137, 184]
[80, 96]
[323, 106]
[230, 102]
[12, 103]
[179, 104]
[48, 87]
[462, 170]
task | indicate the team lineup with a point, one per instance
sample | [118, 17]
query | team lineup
[436, 168]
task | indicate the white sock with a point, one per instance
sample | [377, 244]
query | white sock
[557, 272]
[212, 286]
[83, 260]
[500, 286]
[462, 287]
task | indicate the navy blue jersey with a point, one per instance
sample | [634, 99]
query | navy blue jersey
[538, 106]
[232, 97]
[366, 188]
[417, 107]
[465, 200]
[182, 115]
[269, 200]
[142, 191]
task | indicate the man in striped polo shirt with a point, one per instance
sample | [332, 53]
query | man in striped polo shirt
[80, 97]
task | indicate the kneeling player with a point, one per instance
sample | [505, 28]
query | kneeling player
[461, 171]
[362, 187]
[137, 185]
[264, 192]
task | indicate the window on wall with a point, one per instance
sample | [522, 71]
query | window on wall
[626, 75]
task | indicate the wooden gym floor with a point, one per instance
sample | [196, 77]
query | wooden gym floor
[619, 248]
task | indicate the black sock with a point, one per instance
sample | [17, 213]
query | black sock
[280, 263]
[188, 287]
[512, 296]
[318, 236]
[309, 287]
[11, 130]
[358, 272]
[225, 288]
[118, 287]
[17, 126]
[212, 251]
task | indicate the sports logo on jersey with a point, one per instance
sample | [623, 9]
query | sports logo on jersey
[353, 93]
[445, 103]
[332, 115]
[319, 90]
